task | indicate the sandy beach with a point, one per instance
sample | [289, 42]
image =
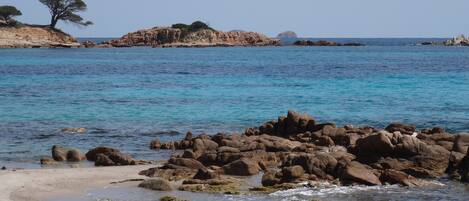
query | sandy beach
[43, 184]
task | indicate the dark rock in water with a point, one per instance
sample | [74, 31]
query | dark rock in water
[4, 168]
[88, 44]
[156, 184]
[155, 144]
[323, 43]
[188, 136]
[242, 167]
[91, 155]
[403, 128]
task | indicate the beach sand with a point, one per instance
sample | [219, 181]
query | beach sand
[43, 184]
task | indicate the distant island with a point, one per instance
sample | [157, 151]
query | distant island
[197, 34]
[287, 35]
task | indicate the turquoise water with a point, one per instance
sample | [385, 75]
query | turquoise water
[127, 97]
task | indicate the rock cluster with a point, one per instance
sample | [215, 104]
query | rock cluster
[457, 41]
[174, 37]
[106, 156]
[101, 156]
[323, 43]
[60, 154]
[295, 148]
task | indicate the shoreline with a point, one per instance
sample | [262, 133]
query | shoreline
[44, 184]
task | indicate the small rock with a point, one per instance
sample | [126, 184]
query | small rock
[155, 144]
[170, 198]
[156, 184]
[48, 161]
[74, 130]
[205, 174]
[4, 168]
[242, 167]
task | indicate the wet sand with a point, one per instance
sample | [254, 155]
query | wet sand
[44, 184]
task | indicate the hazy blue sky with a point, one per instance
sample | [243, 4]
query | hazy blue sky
[314, 18]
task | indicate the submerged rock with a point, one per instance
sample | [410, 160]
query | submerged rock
[74, 130]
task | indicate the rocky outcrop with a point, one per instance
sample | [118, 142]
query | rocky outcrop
[174, 37]
[323, 43]
[457, 41]
[27, 36]
[296, 148]
[106, 156]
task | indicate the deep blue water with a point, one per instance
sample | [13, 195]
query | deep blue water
[127, 97]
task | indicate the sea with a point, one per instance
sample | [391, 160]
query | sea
[127, 97]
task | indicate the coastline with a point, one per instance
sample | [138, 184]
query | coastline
[44, 184]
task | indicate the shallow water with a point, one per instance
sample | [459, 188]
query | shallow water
[127, 97]
[441, 191]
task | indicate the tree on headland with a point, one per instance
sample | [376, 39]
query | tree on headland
[8, 12]
[66, 10]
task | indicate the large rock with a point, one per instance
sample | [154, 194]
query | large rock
[205, 174]
[187, 162]
[461, 143]
[293, 172]
[59, 153]
[242, 167]
[91, 155]
[156, 184]
[375, 144]
[397, 177]
[357, 172]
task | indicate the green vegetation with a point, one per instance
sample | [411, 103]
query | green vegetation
[66, 10]
[195, 26]
[8, 12]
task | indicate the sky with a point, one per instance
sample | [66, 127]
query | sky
[308, 18]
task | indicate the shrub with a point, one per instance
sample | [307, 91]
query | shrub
[195, 26]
